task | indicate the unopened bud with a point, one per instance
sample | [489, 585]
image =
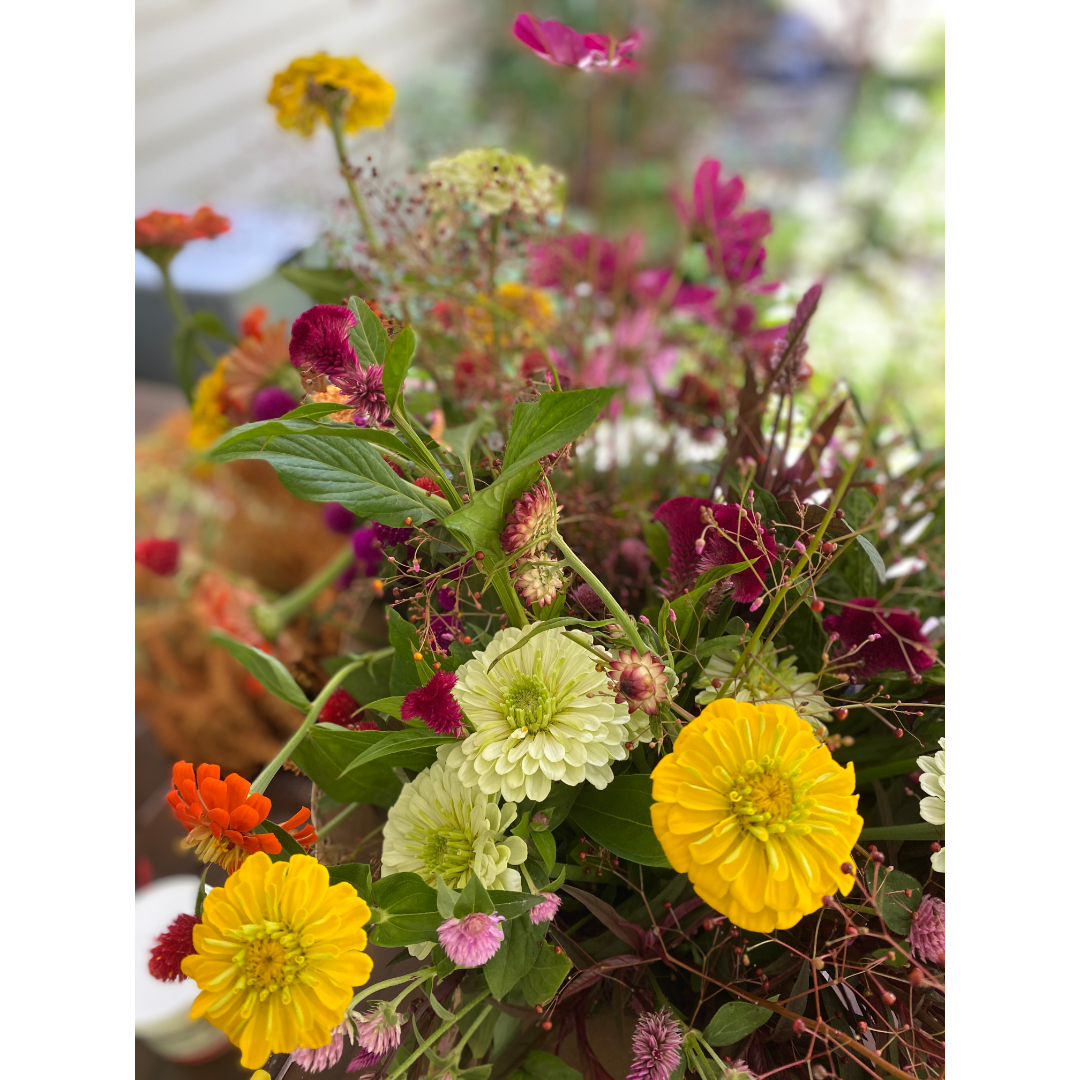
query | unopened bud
[480, 556]
[757, 603]
[847, 740]
[841, 713]
[916, 977]
[643, 619]
[888, 997]
[819, 964]
[799, 1025]
[418, 656]
[699, 545]
[800, 547]
[546, 1025]
[847, 868]
[817, 605]
[674, 618]
[408, 521]
[935, 846]
[828, 547]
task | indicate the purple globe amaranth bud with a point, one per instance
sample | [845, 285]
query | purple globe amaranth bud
[320, 341]
[640, 681]
[338, 518]
[271, 402]
[531, 521]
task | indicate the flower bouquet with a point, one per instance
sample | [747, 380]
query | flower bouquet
[660, 668]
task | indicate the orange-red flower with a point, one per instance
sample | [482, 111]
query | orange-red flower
[221, 814]
[160, 235]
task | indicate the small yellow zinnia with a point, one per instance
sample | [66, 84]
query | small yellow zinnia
[208, 419]
[277, 956]
[754, 809]
[367, 96]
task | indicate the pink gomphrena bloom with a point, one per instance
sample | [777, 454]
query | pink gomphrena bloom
[656, 1045]
[320, 341]
[559, 44]
[435, 704]
[378, 1034]
[545, 912]
[927, 936]
[325, 1057]
[473, 940]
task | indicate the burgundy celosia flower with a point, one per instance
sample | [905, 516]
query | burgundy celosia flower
[901, 645]
[567, 261]
[639, 681]
[559, 44]
[435, 705]
[726, 534]
[447, 597]
[428, 484]
[445, 629]
[378, 1033]
[545, 912]
[344, 710]
[365, 393]
[172, 947]
[160, 556]
[473, 940]
[656, 1045]
[320, 341]
[391, 537]
[531, 521]
[338, 518]
[585, 596]
[323, 1057]
[271, 402]
[368, 549]
[927, 936]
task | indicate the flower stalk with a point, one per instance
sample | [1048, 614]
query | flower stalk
[333, 112]
[272, 618]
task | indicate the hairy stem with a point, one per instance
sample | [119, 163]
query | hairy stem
[333, 111]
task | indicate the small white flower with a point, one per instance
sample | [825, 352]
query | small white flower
[543, 714]
[439, 827]
[932, 808]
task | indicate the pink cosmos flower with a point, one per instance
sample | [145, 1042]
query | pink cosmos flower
[900, 645]
[320, 340]
[435, 705]
[656, 1046]
[472, 941]
[927, 936]
[559, 44]
[545, 912]
[636, 359]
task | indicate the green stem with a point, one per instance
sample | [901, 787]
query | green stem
[493, 254]
[613, 605]
[467, 1035]
[401, 422]
[433, 1038]
[508, 597]
[334, 113]
[272, 618]
[416, 976]
[337, 819]
[834, 503]
[262, 781]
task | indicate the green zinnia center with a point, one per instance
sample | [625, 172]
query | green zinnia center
[528, 703]
[448, 852]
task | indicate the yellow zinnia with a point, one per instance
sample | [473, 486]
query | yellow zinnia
[208, 419]
[367, 95]
[277, 956]
[754, 809]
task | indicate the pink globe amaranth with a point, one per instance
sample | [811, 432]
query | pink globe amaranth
[338, 518]
[271, 402]
[901, 646]
[656, 1045]
[473, 940]
[320, 341]
[378, 1034]
[435, 704]
[545, 912]
[927, 935]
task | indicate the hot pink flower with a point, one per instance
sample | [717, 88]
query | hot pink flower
[435, 704]
[636, 359]
[545, 912]
[364, 387]
[650, 285]
[471, 941]
[927, 936]
[320, 341]
[567, 261]
[559, 44]
[656, 1046]
[160, 556]
[900, 645]
[368, 549]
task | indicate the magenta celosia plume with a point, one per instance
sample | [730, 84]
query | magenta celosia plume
[271, 402]
[725, 534]
[473, 940]
[435, 704]
[559, 44]
[338, 518]
[320, 341]
[363, 389]
[656, 1045]
[173, 946]
[899, 646]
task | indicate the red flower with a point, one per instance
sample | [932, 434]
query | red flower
[559, 44]
[173, 947]
[704, 535]
[900, 646]
[639, 681]
[221, 814]
[253, 323]
[320, 341]
[344, 710]
[170, 232]
[435, 705]
[161, 556]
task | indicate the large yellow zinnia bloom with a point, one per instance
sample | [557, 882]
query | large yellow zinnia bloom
[367, 104]
[277, 956]
[754, 809]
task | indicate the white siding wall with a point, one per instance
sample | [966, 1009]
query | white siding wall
[203, 69]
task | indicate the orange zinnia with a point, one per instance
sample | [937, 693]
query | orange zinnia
[160, 229]
[221, 814]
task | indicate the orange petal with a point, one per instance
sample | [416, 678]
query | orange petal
[260, 804]
[300, 816]
[214, 793]
[238, 789]
[212, 771]
[267, 842]
[244, 818]
[219, 817]
[182, 771]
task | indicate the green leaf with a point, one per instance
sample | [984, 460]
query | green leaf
[515, 957]
[389, 705]
[403, 675]
[206, 322]
[685, 606]
[734, 1021]
[541, 427]
[873, 555]
[480, 522]
[328, 286]
[397, 364]
[185, 352]
[289, 846]
[618, 819]
[313, 410]
[541, 1066]
[919, 831]
[406, 911]
[510, 905]
[540, 627]
[368, 337]
[269, 670]
[545, 844]
[325, 468]
[200, 895]
[394, 742]
[896, 907]
[869, 773]
[358, 875]
[329, 748]
[543, 980]
[558, 803]
[474, 897]
[447, 897]
[656, 536]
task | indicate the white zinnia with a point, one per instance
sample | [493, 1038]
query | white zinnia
[439, 827]
[544, 713]
[932, 807]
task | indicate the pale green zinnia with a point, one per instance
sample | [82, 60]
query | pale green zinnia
[493, 182]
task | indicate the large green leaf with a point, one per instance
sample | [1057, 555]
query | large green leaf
[358, 875]
[541, 1066]
[327, 286]
[896, 906]
[541, 427]
[406, 642]
[406, 911]
[289, 846]
[368, 337]
[323, 468]
[618, 819]
[544, 978]
[480, 522]
[397, 742]
[269, 670]
[734, 1021]
[515, 957]
[397, 364]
